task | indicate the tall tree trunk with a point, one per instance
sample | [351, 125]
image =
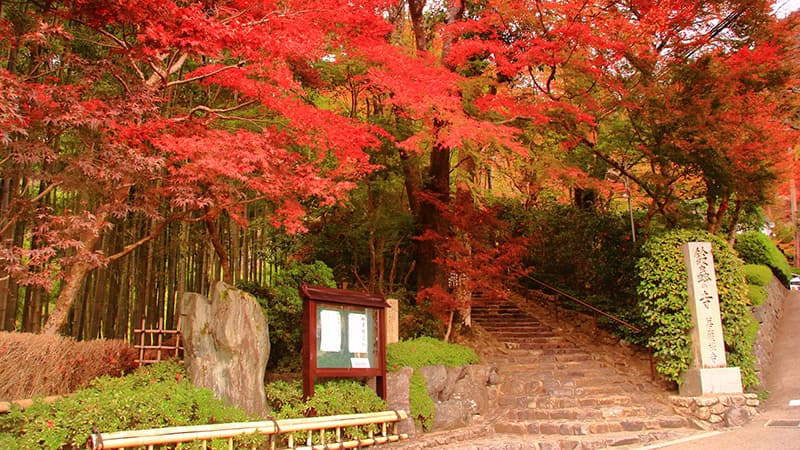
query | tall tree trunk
[74, 277]
[219, 249]
[714, 213]
[12, 289]
[437, 189]
[416, 12]
[735, 216]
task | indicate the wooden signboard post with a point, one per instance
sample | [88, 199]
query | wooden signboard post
[344, 336]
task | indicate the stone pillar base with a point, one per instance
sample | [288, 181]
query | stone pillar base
[720, 380]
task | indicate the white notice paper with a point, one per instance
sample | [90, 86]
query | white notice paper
[330, 323]
[357, 333]
[359, 363]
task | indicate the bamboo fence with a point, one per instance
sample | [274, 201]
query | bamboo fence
[387, 420]
[152, 347]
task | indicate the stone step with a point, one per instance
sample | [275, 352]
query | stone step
[546, 401]
[507, 325]
[518, 328]
[498, 441]
[523, 336]
[590, 427]
[554, 394]
[602, 413]
[531, 342]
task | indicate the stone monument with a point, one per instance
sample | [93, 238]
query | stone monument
[227, 345]
[708, 372]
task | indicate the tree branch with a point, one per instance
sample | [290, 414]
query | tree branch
[153, 234]
[217, 111]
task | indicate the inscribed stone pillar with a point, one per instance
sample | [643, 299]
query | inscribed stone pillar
[708, 372]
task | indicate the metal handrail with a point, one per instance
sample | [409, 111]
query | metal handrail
[601, 312]
[587, 305]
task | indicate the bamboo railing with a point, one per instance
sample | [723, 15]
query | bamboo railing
[273, 428]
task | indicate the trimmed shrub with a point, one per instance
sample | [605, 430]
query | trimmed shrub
[758, 274]
[427, 351]
[37, 365]
[663, 300]
[757, 248]
[153, 396]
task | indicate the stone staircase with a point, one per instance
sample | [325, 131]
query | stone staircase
[558, 394]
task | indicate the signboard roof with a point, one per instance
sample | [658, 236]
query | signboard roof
[343, 296]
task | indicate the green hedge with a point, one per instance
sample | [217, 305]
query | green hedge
[758, 274]
[758, 248]
[663, 300]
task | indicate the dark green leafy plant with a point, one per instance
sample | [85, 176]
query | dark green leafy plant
[284, 308]
[152, 397]
[332, 397]
[417, 319]
[757, 248]
[593, 258]
[663, 300]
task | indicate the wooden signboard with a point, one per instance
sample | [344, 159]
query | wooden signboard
[344, 336]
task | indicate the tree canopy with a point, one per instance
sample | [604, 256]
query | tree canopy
[148, 146]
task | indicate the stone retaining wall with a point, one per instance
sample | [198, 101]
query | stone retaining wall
[712, 412]
[461, 394]
[768, 316]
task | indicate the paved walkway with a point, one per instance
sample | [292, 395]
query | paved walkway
[778, 426]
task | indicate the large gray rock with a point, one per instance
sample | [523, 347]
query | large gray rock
[460, 393]
[452, 414]
[398, 385]
[227, 345]
[435, 379]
